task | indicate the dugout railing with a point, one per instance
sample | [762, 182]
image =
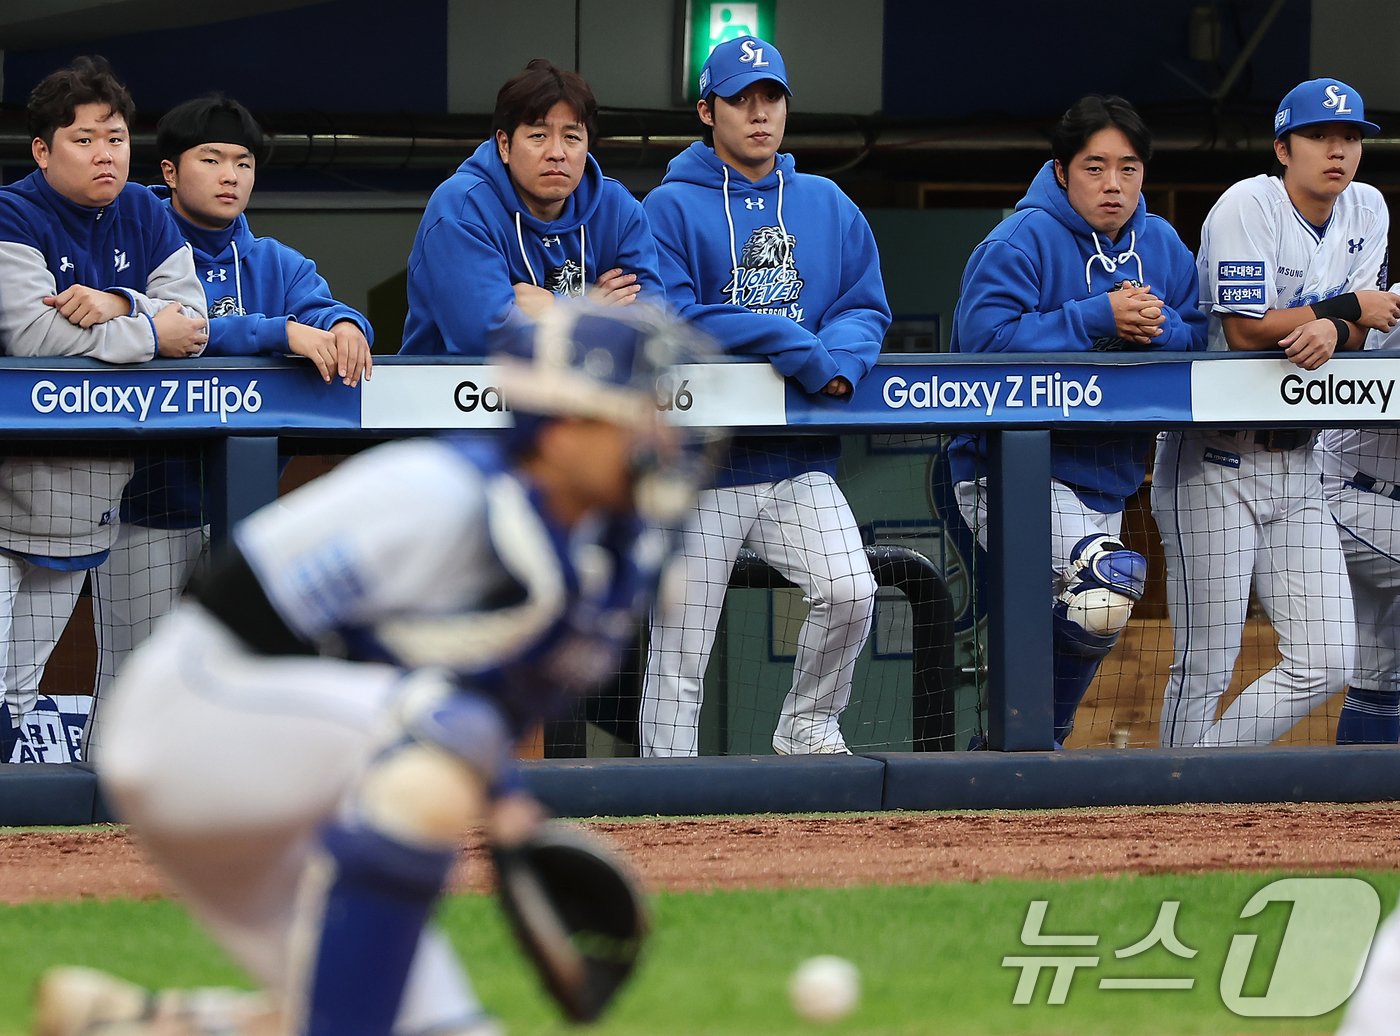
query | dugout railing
[242, 411]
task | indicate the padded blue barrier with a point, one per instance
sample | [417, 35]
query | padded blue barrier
[66, 793]
[44, 794]
[1139, 777]
[707, 785]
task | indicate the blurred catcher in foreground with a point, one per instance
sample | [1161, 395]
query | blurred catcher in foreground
[346, 684]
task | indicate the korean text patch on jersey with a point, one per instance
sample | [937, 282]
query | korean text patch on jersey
[1240, 294]
[1236, 270]
[1239, 282]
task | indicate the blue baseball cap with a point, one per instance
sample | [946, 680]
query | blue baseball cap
[739, 62]
[1321, 100]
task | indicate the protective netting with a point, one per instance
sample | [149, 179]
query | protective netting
[1239, 551]
[863, 669]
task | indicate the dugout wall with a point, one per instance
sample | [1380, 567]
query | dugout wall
[240, 412]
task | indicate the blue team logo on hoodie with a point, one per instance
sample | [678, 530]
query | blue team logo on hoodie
[766, 279]
[565, 279]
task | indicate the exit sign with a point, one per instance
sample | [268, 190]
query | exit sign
[708, 23]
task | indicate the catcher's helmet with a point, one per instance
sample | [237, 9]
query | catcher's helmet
[612, 363]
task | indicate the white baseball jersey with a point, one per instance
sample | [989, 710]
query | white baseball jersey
[1257, 253]
[1370, 533]
[1235, 513]
[1372, 451]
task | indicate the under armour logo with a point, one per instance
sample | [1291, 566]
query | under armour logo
[753, 203]
[65, 264]
[1336, 99]
[120, 260]
[1355, 246]
[211, 275]
[550, 240]
[748, 52]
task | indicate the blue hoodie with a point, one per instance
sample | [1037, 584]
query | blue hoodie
[784, 269]
[477, 241]
[1039, 282]
[254, 285]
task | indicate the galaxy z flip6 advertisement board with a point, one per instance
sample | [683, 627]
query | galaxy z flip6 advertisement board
[271, 397]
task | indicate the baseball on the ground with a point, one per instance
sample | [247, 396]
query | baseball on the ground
[824, 989]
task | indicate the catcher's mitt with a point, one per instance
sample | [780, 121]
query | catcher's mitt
[578, 915]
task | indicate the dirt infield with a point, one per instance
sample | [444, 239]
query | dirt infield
[898, 848]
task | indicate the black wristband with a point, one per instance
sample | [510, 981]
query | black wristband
[1347, 306]
[1343, 331]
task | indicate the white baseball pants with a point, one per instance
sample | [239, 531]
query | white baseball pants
[226, 765]
[1233, 514]
[1368, 530]
[140, 581]
[805, 530]
[35, 606]
[1070, 522]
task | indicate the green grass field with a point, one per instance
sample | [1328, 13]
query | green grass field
[930, 957]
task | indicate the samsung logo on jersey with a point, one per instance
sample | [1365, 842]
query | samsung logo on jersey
[1238, 271]
[1335, 391]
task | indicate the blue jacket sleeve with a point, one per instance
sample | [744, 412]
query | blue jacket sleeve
[792, 350]
[1185, 326]
[309, 299]
[853, 327]
[306, 298]
[998, 310]
[636, 253]
[247, 335]
[462, 279]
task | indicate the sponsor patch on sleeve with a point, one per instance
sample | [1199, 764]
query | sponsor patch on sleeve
[1240, 294]
[1239, 270]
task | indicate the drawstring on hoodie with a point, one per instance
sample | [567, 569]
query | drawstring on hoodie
[520, 239]
[1108, 262]
[582, 254]
[733, 252]
[733, 255]
[787, 241]
[237, 278]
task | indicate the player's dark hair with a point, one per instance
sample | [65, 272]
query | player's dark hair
[527, 97]
[1094, 112]
[707, 132]
[212, 119]
[88, 80]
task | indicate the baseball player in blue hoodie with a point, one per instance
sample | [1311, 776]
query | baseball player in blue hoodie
[90, 265]
[1081, 265]
[781, 266]
[1293, 262]
[527, 218]
[264, 299]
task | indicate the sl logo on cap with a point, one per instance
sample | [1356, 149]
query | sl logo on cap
[749, 53]
[1336, 99]
[1281, 117]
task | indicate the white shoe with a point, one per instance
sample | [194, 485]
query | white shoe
[86, 1002]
